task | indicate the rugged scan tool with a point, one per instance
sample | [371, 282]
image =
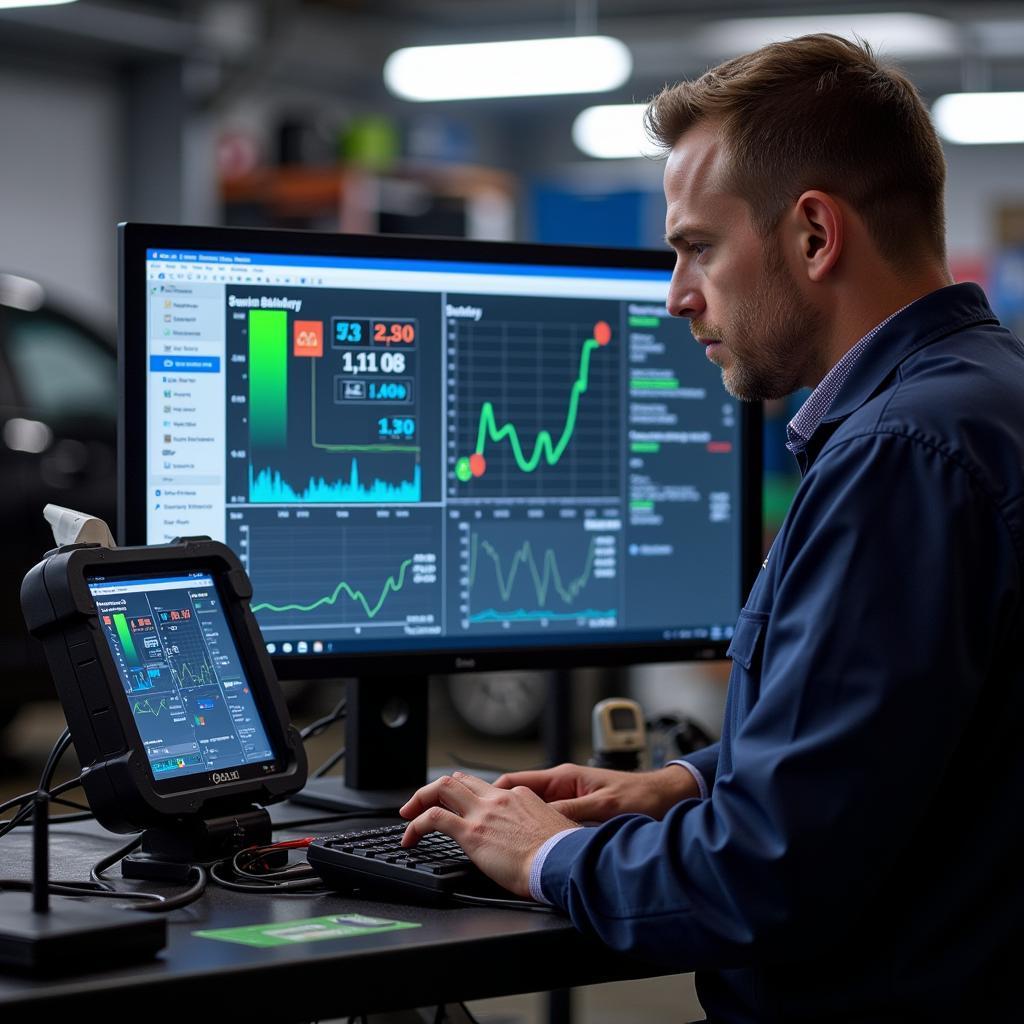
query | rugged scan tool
[171, 700]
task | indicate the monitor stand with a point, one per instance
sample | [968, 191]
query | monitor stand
[385, 747]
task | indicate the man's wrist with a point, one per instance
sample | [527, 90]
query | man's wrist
[684, 780]
[537, 864]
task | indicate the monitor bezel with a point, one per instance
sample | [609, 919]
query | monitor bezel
[133, 242]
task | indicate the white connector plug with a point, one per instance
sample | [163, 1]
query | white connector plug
[71, 527]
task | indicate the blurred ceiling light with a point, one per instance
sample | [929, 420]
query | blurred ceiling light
[613, 131]
[21, 293]
[895, 34]
[7, 4]
[523, 67]
[30, 436]
[976, 118]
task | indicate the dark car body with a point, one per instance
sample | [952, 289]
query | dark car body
[58, 422]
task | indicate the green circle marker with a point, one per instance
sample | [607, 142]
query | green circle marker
[463, 471]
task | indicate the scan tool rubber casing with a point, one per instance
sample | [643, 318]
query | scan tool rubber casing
[122, 792]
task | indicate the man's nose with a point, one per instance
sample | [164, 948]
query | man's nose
[684, 298]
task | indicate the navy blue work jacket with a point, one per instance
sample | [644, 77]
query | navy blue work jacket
[861, 855]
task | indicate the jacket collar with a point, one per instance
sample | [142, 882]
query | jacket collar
[929, 318]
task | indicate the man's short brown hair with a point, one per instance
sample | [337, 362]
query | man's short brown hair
[820, 112]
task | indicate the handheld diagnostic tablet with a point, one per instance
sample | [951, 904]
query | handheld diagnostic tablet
[170, 697]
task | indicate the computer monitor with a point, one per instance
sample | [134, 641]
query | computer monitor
[435, 455]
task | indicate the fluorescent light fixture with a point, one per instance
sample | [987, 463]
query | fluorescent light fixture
[21, 293]
[976, 118]
[523, 67]
[8, 4]
[895, 34]
[613, 131]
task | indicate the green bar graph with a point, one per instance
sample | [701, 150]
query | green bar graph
[654, 384]
[642, 506]
[645, 321]
[645, 447]
[268, 378]
[125, 636]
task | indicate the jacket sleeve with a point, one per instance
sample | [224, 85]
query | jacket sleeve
[705, 761]
[897, 581]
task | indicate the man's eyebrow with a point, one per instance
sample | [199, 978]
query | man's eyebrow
[685, 232]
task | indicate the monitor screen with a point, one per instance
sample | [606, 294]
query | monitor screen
[182, 676]
[480, 454]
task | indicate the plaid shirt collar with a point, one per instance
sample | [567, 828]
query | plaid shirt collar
[802, 426]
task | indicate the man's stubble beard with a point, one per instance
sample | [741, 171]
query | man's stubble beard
[770, 336]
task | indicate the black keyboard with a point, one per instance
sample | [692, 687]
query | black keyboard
[374, 859]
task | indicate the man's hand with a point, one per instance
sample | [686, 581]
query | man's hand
[500, 829]
[597, 794]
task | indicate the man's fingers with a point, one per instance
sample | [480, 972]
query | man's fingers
[436, 819]
[423, 798]
[472, 783]
[539, 781]
[580, 809]
[446, 791]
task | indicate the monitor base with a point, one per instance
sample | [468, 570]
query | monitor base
[331, 794]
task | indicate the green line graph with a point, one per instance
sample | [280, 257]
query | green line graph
[544, 576]
[393, 585]
[144, 707]
[548, 447]
[185, 675]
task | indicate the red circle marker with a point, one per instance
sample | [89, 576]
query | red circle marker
[477, 464]
[602, 333]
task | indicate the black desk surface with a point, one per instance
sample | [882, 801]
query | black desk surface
[457, 954]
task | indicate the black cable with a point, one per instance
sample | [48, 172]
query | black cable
[329, 764]
[17, 801]
[56, 753]
[295, 888]
[26, 802]
[96, 871]
[183, 899]
[495, 901]
[157, 904]
[317, 727]
[61, 819]
[25, 797]
[77, 888]
[30, 795]
[289, 872]
[71, 803]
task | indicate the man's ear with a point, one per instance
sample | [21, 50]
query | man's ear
[818, 222]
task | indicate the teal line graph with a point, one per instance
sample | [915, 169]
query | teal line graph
[522, 615]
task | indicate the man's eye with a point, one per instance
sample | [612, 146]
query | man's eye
[697, 248]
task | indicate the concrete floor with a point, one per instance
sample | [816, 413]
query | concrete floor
[28, 741]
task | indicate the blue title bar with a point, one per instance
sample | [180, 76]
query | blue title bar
[97, 583]
[242, 259]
